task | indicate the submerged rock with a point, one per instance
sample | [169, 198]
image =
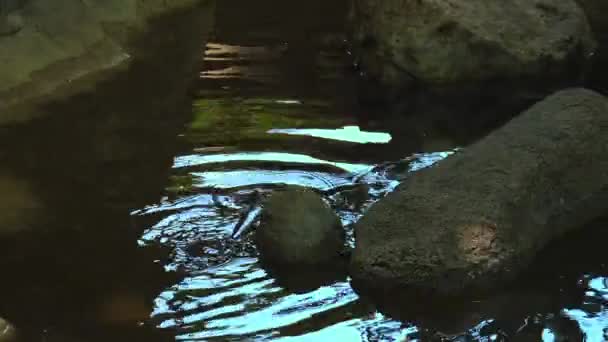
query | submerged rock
[298, 228]
[480, 216]
[451, 44]
[7, 332]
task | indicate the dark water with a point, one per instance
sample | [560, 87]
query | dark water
[135, 189]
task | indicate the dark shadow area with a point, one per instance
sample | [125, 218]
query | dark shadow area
[76, 272]
[301, 280]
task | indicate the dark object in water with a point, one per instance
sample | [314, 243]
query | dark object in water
[298, 228]
[480, 216]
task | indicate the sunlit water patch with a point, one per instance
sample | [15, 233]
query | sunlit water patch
[592, 316]
[198, 159]
[347, 133]
[228, 294]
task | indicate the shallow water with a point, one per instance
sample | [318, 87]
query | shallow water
[147, 208]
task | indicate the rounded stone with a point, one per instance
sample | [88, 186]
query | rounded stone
[298, 227]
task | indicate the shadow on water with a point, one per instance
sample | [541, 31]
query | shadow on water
[139, 189]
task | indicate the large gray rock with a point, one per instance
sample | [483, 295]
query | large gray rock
[480, 216]
[7, 332]
[299, 228]
[445, 44]
[72, 40]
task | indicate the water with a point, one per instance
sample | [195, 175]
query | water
[144, 212]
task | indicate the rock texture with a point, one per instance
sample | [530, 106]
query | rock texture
[299, 228]
[45, 45]
[480, 216]
[449, 44]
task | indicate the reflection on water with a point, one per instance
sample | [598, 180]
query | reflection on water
[271, 69]
[592, 316]
[269, 113]
[277, 157]
[348, 133]
[255, 130]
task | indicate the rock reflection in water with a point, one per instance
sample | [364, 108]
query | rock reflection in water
[269, 112]
[235, 157]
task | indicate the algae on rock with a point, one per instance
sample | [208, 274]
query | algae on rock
[63, 41]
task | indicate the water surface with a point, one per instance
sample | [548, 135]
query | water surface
[140, 186]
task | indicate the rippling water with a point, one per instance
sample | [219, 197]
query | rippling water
[254, 132]
[226, 293]
[274, 105]
[255, 129]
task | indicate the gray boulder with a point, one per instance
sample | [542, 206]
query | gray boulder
[480, 216]
[299, 228]
[449, 44]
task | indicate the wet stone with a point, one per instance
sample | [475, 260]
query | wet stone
[299, 228]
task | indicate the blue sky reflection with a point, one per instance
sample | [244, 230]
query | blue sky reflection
[348, 133]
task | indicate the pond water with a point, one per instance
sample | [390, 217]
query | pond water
[147, 192]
